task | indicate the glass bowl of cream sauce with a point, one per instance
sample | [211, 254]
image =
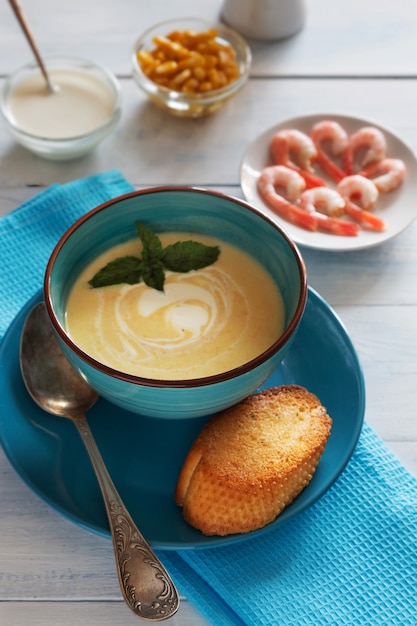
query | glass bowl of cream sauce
[66, 124]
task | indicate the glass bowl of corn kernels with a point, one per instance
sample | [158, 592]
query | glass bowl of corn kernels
[190, 67]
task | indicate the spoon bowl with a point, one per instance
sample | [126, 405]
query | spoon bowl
[67, 393]
[57, 388]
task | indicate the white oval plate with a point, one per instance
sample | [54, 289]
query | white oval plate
[398, 208]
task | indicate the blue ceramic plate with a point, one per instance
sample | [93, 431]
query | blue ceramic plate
[144, 455]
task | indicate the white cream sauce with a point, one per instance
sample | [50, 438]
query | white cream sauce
[205, 322]
[81, 104]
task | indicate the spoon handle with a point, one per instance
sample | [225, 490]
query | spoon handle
[146, 586]
[31, 41]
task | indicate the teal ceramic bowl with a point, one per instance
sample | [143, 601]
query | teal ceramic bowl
[176, 209]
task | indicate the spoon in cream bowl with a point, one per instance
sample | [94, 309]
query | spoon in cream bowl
[31, 41]
[56, 387]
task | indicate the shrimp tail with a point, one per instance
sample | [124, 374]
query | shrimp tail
[337, 139]
[291, 212]
[311, 180]
[330, 167]
[336, 226]
[299, 217]
[365, 218]
[371, 170]
[348, 162]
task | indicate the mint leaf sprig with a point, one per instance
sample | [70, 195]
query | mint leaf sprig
[182, 256]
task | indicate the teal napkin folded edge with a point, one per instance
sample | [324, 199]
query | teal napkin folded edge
[351, 558]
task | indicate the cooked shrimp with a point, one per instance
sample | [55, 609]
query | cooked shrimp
[327, 201]
[387, 174]
[337, 138]
[280, 177]
[293, 141]
[361, 195]
[369, 139]
[326, 205]
[290, 143]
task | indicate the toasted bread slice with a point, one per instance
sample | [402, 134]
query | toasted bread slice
[251, 460]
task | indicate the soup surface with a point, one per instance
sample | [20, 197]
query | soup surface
[205, 322]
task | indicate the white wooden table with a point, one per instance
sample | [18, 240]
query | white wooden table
[356, 58]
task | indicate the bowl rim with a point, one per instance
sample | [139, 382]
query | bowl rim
[189, 382]
[63, 141]
[171, 94]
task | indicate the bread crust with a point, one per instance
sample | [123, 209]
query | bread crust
[251, 460]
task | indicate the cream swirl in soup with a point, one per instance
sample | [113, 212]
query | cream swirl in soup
[204, 322]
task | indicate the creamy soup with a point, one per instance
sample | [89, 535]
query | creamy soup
[81, 104]
[205, 322]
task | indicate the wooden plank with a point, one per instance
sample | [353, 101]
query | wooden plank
[385, 338]
[90, 613]
[339, 39]
[209, 151]
[406, 452]
[384, 275]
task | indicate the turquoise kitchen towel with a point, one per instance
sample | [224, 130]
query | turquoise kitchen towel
[350, 559]
[29, 234]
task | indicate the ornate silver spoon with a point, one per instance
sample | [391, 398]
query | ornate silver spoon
[55, 386]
